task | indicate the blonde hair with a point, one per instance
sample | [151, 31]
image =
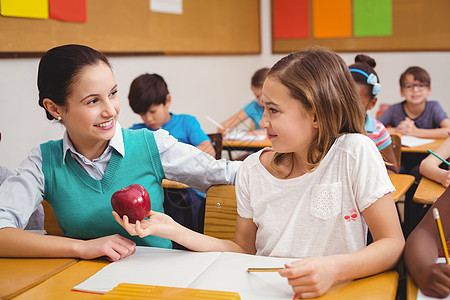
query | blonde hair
[321, 81]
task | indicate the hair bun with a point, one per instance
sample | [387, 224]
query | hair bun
[365, 59]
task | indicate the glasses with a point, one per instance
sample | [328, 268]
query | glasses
[420, 86]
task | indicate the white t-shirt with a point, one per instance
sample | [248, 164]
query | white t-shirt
[318, 213]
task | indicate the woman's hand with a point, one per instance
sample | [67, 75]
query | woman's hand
[115, 247]
[311, 277]
[157, 224]
[436, 281]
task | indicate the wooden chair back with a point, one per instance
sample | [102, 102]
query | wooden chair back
[382, 109]
[220, 212]
[50, 222]
[397, 146]
[216, 140]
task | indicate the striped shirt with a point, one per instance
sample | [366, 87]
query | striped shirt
[377, 133]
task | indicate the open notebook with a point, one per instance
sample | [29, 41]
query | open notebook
[412, 141]
[221, 271]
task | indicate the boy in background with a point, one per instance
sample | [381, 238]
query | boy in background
[150, 98]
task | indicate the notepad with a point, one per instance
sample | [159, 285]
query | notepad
[412, 141]
[219, 271]
[421, 296]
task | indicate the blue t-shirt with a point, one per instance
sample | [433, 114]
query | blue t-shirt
[185, 128]
[255, 112]
[431, 117]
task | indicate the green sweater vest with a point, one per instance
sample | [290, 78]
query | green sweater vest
[82, 205]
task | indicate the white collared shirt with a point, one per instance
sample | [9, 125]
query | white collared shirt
[22, 193]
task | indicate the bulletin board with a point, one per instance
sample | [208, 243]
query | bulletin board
[129, 27]
[419, 25]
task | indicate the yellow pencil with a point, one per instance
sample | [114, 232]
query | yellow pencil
[264, 269]
[441, 234]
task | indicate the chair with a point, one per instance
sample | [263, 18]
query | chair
[221, 212]
[50, 222]
[397, 147]
[382, 109]
[216, 140]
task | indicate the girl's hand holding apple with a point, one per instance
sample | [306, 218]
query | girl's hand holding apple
[157, 224]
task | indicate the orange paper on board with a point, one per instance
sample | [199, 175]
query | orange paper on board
[332, 18]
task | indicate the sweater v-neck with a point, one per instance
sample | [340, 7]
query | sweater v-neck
[98, 185]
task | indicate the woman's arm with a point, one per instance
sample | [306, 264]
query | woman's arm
[421, 251]
[390, 160]
[20, 243]
[207, 147]
[313, 276]
[186, 164]
[232, 122]
[164, 226]
[429, 167]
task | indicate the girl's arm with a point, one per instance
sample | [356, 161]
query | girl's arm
[20, 243]
[164, 226]
[232, 122]
[429, 167]
[390, 160]
[313, 276]
[421, 251]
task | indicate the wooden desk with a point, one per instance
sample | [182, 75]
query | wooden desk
[173, 184]
[246, 145]
[381, 286]
[428, 191]
[411, 289]
[401, 182]
[423, 148]
[60, 285]
[20, 274]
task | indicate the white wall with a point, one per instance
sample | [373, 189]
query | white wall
[214, 85]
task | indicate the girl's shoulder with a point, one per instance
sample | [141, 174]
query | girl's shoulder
[258, 160]
[353, 142]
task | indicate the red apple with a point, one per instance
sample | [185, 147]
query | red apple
[132, 201]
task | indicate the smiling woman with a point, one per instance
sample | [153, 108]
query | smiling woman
[96, 157]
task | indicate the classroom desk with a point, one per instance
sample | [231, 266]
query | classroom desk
[411, 289]
[246, 145]
[428, 191]
[381, 286]
[423, 148]
[20, 274]
[173, 184]
[401, 182]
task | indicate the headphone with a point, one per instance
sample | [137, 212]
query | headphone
[371, 79]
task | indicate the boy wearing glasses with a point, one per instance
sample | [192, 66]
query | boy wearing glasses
[416, 115]
[419, 117]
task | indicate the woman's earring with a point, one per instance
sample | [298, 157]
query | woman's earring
[59, 118]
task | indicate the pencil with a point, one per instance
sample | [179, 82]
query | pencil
[213, 121]
[441, 234]
[438, 157]
[264, 269]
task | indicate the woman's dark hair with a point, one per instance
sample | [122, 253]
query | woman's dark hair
[366, 64]
[259, 77]
[147, 90]
[58, 69]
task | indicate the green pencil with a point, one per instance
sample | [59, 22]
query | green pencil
[438, 157]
